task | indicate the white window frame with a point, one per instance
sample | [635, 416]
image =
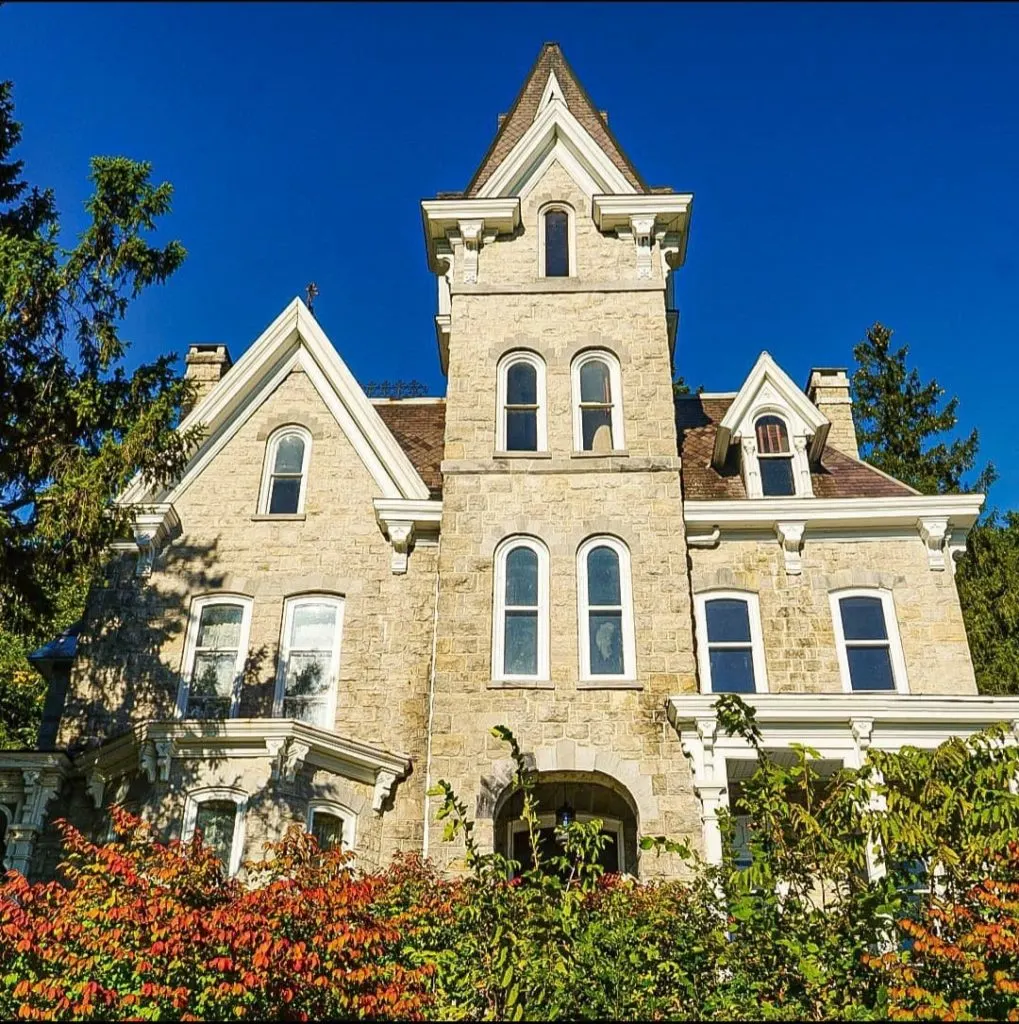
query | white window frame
[499, 610]
[629, 673]
[753, 479]
[198, 605]
[508, 360]
[753, 604]
[196, 797]
[271, 445]
[289, 605]
[344, 813]
[616, 388]
[895, 652]
[548, 820]
[571, 234]
[790, 456]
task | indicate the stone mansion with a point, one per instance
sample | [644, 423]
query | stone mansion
[341, 596]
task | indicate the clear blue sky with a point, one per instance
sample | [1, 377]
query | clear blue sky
[851, 163]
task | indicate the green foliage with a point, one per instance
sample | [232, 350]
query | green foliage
[898, 419]
[988, 580]
[76, 426]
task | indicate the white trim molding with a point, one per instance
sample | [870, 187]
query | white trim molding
[756, 642]
[841, 727]
[196, 797]
[341, 811]
[628, 676]
[499, 609]
[893, 642]
[269, 466]
[327, 716]
[198, 606]
[940, 522]
[402, 520]
[153, 527]
[610, 360]
[661, 218]
[509, 360]
[29, 781]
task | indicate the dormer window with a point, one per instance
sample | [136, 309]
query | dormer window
[774, 458]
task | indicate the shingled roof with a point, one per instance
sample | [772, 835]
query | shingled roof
[837, 476]
[419, 428]
[525, 108]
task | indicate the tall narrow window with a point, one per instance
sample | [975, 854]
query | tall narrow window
[219, 815]
[606, 611]
[309, 660]
[729, 643]
[520, 640]
[557, 244]
[522, 403]
[214, 655]
[598, 422]
[286, 472]
[774, 457]
[870, 654]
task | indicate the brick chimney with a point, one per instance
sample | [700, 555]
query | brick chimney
[206, 364]
[828, 389]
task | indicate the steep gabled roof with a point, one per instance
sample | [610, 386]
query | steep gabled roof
[526, 107]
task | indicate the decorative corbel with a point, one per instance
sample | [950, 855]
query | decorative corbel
[934, 533]
[751, 471]
[803, 464]
[790, 536]
[401, 535]
[862, 729]
[40, 789]
[96, 787]
[471, 236]
[643, 229]
[288, 757]
[384, 783]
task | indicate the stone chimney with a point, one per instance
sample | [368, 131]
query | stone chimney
[828, 389]
[206, 364]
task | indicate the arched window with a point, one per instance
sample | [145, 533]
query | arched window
[605, 611]
[597, 410]
[867, 639]
[219, 815]
[522, 421]
[520, 622]
[556, 227]
[729, 642]
[309, 659]
[332, 825]
[774, 457]
[285, 477]
[215, 651]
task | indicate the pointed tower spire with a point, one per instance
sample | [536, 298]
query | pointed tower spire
[552, 80]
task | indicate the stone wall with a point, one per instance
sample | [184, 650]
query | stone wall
[796, 619]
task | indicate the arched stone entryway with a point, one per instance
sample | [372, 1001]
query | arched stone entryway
[581, 795]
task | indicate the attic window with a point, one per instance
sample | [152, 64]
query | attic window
[774, 457]
[557, 243]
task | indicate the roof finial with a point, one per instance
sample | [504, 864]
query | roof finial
[310, 294]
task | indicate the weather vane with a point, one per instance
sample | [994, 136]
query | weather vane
[310, 294]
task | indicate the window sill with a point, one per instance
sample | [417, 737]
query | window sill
[613, 453]
[521, 684]
[290, 517]
[609, 684]
[521, 455]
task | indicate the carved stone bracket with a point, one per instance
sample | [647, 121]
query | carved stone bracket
[934, 534]
[384, 783]
[790, 536]
[40, 788]
[96, 787]
[471, 237]
[751, 470]
[154, 760]
[643, 229]
[288, 755]
[153, 527]
[401, 535]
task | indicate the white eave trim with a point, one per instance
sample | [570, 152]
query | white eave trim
[961, 510]
[614, 211]
[500, 214]
[402, 520]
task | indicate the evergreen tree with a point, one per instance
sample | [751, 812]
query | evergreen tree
[899, 420]
[75, 426]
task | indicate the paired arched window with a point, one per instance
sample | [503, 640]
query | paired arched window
[555, 237]
[215, 651]
[285, 476]
[867, 639]
[730, 646]
[605, 611]
[520, 627]
[522, 420]
[219, 815]
[309, 659]
[597, 408]
[774, 457]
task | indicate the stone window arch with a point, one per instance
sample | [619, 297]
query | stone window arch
[520, 632]
[219, 812]
[285, 473]
[605, 612]
[522, 401]
[597, 403]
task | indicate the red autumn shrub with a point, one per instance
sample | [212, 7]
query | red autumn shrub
[138, 929]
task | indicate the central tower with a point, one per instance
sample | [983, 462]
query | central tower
[563, 608]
